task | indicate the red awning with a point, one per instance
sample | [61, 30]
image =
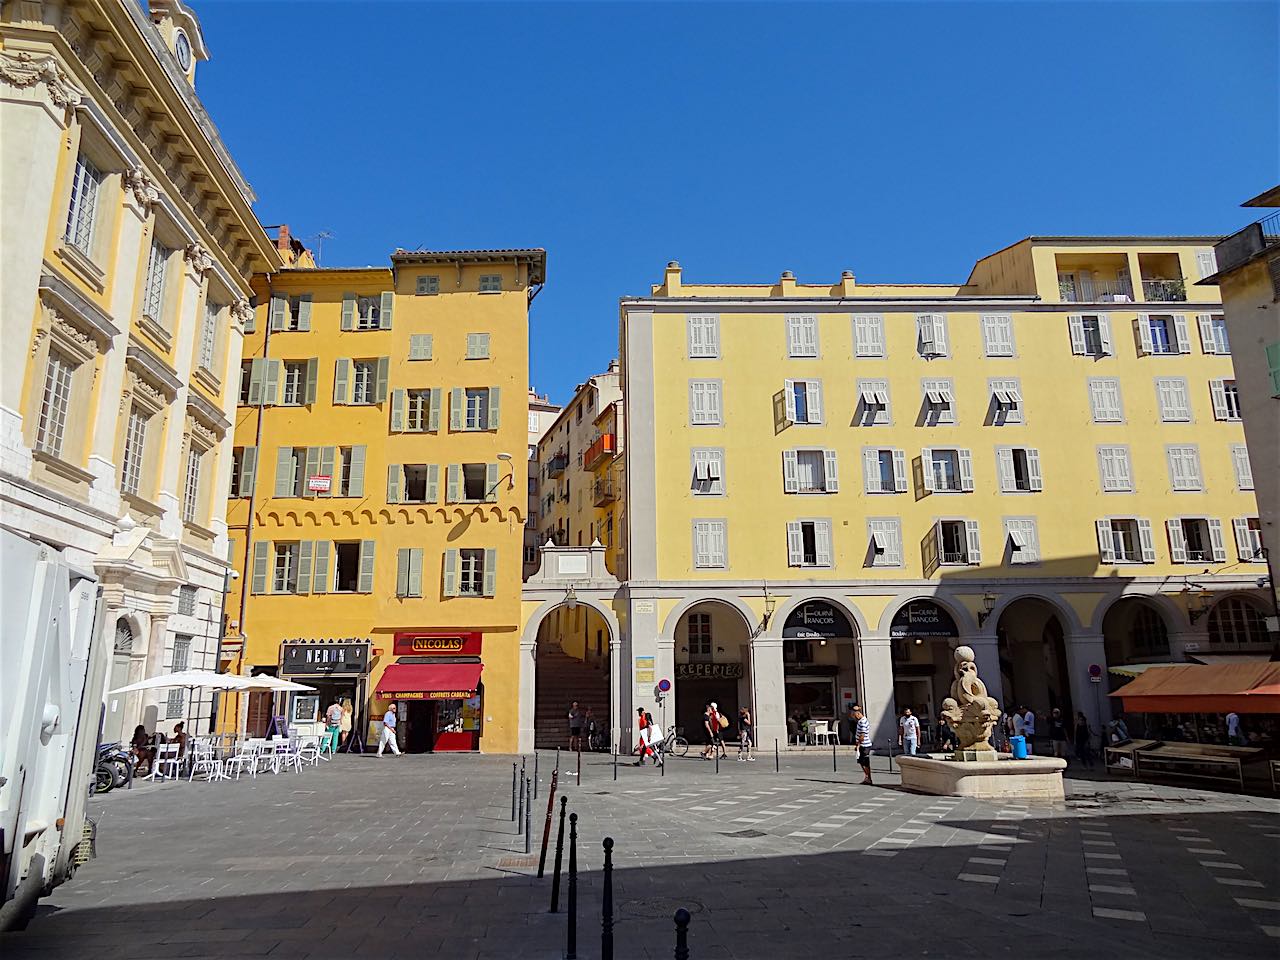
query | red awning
[1221, 688]
[429, 681]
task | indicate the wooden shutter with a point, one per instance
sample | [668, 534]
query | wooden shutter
[260, 556]
[1208, 342]
[973, 542]
[1218, 391]
[328, 464]
[271, 383]
[311, 468]
[380, 383]
[312, 381]
[1180, 334]
[490, 573]
[491, 483]
[822, 542]
[1243, 468]
[899, 471]
[304, 312]
[433, 406]
[1206, 263]
[813, 394]
[940, 333]
[1244, 542]
[367, 548]
[248, 470]
[495, 408]
[384, 313]
[348, 311]
[1075, 326]
[279, 310]
[450, 573]
[1216, 541]
[789, 398]
[256, 369]
[1144, 334]
[457, 408]
[965, 456]
[420, 345]
[1146, 540]
[285, 486]
[795, 544]
[830, 472]
[355, 480]
[697, 401]
[1106, 548]
[1177, 541]
[395, 481]
[1004, 469]
[871, 471]
[320, 568]
[402, 572]
[1124, 477]
[342, 380]
[924, 331]
[397, 410]
[926, 465]
[790, 472]
[1104, 333]
[1033, 469]
[303, 582]
[433, 482]
[931, 548]
[693, 330]
[453, 483]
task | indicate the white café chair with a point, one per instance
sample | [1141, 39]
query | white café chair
[820, 732]
[310, 750]
[285, 754]
[204, 757]
[245, 758]
[167, 764]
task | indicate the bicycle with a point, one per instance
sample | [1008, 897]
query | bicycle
[675, 744]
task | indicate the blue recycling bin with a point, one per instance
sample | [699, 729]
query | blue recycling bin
[1019, 747]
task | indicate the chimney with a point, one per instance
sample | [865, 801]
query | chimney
[671, 278]
[847, 283]
[788, 283]
[282, 242]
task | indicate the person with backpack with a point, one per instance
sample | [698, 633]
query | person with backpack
[713, 723]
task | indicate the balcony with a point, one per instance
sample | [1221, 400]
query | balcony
[557, 465]
[605, 491]
[1169, 291]
[1077, 289]
[604, 446]
[1243, 245]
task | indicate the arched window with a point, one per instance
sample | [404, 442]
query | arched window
[124, 637]
[1236, 620]
[1148, 633]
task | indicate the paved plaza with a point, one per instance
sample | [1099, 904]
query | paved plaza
[417, 857]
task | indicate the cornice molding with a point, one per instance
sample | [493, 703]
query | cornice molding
[145, 190]
[201, 260]
[152, 368]
[67, 299]
[24, 70]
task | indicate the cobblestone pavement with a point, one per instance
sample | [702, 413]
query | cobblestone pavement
[418, 856]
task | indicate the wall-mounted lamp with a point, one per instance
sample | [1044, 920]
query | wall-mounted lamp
[988, 605]
[1198, 603]
[770, 604]
[719, 649]
[919, 641]
[571, 598]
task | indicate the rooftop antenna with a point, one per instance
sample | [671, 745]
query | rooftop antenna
[320, 238]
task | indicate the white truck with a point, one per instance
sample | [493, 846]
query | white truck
[52, 672]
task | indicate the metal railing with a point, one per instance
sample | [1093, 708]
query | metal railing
[1095, 291]
[605, 491]
[1165, 290]
[954, 556]
[557, 464]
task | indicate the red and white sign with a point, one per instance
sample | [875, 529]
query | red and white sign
[319, 484]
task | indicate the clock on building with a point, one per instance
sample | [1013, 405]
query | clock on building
[182, 49]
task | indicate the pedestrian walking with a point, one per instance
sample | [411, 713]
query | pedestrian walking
[575, 727]
[862, 738]
[642, 724]
[1028, 725]
[908, 732]
[712, 723]
[744, 736]
[345, 724]
[1084, 740]
[333, 725]
[1057, 733]
[388, 736]
[1234, 737]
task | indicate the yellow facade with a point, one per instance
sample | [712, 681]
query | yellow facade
[421, 543]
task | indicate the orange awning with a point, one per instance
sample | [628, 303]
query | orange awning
[429, 681]
[1220, 688]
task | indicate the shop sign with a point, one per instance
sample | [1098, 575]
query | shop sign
[644, 670]
[302, 657]
[438, 644]
[319, 484]
[923, 618]
[428, 695]
[708, 671]
[817, 620]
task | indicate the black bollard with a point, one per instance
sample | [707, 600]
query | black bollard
[834, 768]
[571, 948]
[535, 774]
[777, 768]
[615, 765]
[555, 878]
[682, 934]
[520, 809]
[716, 751]
[557, 759]
[579, 761]
[513, 793]
[528, 813]
[606, 920]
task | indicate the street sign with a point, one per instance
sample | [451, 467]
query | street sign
[664, 685]
[1095, 673]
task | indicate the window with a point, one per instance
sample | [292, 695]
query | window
[1148, 634]
[285, 576]
[957, 542]
[709, 544]
[1235, 621]
[175, 705]
[809, 543]
[873, 403]
[1023, 539]
[153, 286]
[363, 379]
[1006, 401]
[947, 470]
[427, 285]
[884, 470]
[246, 379]
[368, 313]
[475, 487]
[244, 465]
[471, 573]
[931, 334]
[704, 402]
[939, 402]
[295, 383]
[420, 347]
[298, 305]
[1213, 333]
[421, 483]
[885, 547]
[82, 214]
[346, 564]
[708, 471]
[191, 490]
[704, 336]
[422, 413]
[1243, 469]
[477, 346]
[1114, 469]
[477, 409]
[209, 335]
[997, 334]
[1273, 359]
[1173, 399]
[135, 444]
[1019, 469]
[1196, 540]
[1162, 334]
[1226, 399]
[803, 401]
[1104, 400]
[802, 335]
[1248, 538]
[809, 471]
[491, 283]
[1184, 467]
[1090, 334]
[868, 335]
[1126, 540]
[187, 601]
[699, 636]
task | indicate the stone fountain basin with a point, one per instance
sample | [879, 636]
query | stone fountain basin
[1035, 778]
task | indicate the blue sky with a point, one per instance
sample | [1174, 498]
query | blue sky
[899, 140]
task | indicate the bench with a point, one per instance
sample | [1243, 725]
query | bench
[1195, 761]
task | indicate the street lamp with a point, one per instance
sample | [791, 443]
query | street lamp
[571, 598]
[1198, 603]
[988, 605]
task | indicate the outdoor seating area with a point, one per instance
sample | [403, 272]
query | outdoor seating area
[231, 756]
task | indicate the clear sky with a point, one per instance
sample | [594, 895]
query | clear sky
[901, 141]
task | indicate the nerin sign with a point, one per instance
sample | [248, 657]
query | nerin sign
[923, 618]
[817, 620]
[708, 671]
[350, 657]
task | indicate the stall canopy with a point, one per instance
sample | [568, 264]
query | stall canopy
[429, 681]
[1220, 688]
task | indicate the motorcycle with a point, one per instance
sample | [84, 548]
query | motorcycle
[114, 768]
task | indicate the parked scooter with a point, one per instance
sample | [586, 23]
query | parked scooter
[114, 768]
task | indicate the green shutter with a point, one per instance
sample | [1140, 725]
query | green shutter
[355, 483]
[415, 571]
[402, 572]
[279, 310]
[248, 470]
[304, 312]
[271, 383]
[491, 483]
[320, 565]
[456, 403]
[420, 346]
[259, 580]
[490, 573]
[397, 410]
[453, 484]
[256, 368]
[304, 566]
[433, 482]
[342, 380]
[348, 311]
[366, 566]
[451, 573]
[394, 482]
[380, 383]
[495, 408]
[433, 420]
[328, 463]
[311, 469]
[313, 378]
[284, 472]
[384, 314]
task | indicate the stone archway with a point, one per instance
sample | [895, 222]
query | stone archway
[711, 641]
[1034, 666]
[821, 663]
[573, 660]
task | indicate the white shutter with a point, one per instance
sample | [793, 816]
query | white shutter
[1218, 390]
[971, 538]
[1206, 263]
[701, 549]
[713, 401]
[1107, 467]
[940, 333]
[795, 544]
[1144, 334]
[830, 471]
[700, 471]
[1244, 542]
[809, 336]
[697, 401]
[1180, 332]
[926, 461]
[924, 327]
[1004, 468]
[1124, 478]
[1104, 333]
[822, 542]
[717, 544]
[861, 335]
[966, 469]
[1146, 540]
[711, 335]
[875, 324]
[790, 477]
[871, 471]
[1243, 469]
[789, 397]
[1177, 476]
[697, 344]
[1177, 541]
[1208, 342]
[1181, 402]
[1191, 460]
[900, 471]
[893, 545]
[1075, 326]
[1033, 469]
[715, 466]
[1106, 550]
[813, 392]
[1216, 542]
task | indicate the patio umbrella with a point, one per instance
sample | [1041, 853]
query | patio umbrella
[191, 679]
[275, 684]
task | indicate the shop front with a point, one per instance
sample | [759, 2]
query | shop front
[698, 684]
[820, 663]
[435, 682]
[339, 671]
[922, 634]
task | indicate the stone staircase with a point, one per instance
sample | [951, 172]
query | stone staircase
[561, 679]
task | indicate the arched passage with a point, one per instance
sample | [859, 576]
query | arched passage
[820, 663]
[1135, 631]
[1031, 636]
[1237, 623]
[572, 660]
[712, 664]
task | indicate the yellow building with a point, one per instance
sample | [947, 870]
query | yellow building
[379, 493]
[830, 486]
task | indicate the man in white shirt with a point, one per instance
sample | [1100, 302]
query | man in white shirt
[388, 738]
[862, 738]
[333, 726]
[908, 732]
[1028, 725]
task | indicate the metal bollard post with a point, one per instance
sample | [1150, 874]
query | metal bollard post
[777, 768]
[555, 878]
[557, 759]
[682, 934]
[546, 826]
[571, 951]
[528, 813]
[579, 761]
[513, 793]
[834, 768]
[606, 920]
[535, 774]
[717, 753]
[891, 754]
[615, 766]
[520, 809]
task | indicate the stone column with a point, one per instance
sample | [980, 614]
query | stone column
[769, 692]
[1083, 651]
[155, 663]
[876, 696]
[617, 684]
[527, 698]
